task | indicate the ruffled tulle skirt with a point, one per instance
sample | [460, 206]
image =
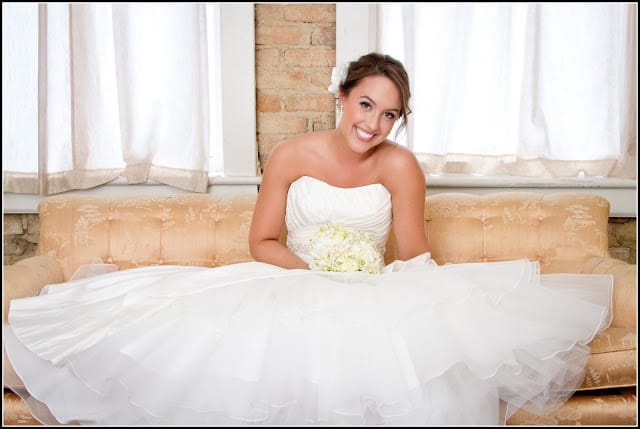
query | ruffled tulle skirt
[251, 343]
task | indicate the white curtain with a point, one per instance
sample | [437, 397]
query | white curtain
[92, 92]
[523, 89]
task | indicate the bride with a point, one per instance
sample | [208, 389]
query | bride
[318, 331]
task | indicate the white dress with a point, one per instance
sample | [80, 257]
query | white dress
[251, 343]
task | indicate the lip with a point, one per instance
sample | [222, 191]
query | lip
[364, 136]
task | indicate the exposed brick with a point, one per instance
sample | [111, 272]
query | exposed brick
[309, 103]
[13, 224]
[272, 123]
[310, 12]
[324, 36]
[268, 103]
[32, 224]
[268, 12]
[282, 35]
[277, 79]
[310, 57]
[324, 122]
[268, 57]
[626, 232]
[321, 78]
[18, 247]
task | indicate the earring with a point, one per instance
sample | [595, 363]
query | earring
[341, 108]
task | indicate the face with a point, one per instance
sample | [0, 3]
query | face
[369, 112]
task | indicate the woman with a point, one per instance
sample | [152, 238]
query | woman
[317, 331]
[373, 97]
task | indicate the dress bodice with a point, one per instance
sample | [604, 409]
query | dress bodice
[312, 203]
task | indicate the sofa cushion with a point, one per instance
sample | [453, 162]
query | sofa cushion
[191, 229]
[613, 361]
[15, 411]
[615, 408]
[610, 370]
[26, 278]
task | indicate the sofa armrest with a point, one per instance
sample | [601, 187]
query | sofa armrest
[625, 288]
[27, 277]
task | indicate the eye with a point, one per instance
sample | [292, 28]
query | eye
[390, 115]
[365, 105]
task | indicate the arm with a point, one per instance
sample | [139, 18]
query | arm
[625, 282]
[625, 288]
[405, 180]
[27, 277]
[269, 213]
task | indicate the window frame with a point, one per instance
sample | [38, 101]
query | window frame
[237, 51]
[355, 36]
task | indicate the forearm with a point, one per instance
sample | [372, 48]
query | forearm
[273, 252]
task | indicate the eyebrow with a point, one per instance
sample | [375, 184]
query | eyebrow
[373, 102]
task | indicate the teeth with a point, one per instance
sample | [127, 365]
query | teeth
[364, 134]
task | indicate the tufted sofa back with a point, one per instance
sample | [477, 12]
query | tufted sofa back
[565, 232]
[192, 229]
[556, 229]
[196, 229]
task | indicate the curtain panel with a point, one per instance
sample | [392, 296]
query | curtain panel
[518, 89]
[93, 92]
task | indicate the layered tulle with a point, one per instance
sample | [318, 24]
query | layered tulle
[251, 343]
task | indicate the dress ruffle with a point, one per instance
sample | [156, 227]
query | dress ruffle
[251, 343]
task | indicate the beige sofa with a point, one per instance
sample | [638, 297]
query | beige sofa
[565, 232]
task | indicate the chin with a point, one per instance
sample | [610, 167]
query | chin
[360, 146]
[363, 148]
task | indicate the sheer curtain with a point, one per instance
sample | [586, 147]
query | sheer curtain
[92, 92]
[522, 89]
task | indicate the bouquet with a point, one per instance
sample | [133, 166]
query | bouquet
[335, 247]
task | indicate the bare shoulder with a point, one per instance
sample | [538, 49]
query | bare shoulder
[399, 167]
[290, 158]
[284, 151]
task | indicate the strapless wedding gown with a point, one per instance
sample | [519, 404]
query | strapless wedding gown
[251, 343]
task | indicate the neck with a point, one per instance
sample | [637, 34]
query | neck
[344, 155]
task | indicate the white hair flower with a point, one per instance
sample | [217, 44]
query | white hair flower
[338, 75]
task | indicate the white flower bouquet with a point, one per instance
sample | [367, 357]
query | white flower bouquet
[337, 248]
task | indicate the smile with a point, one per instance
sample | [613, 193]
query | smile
[363, 135]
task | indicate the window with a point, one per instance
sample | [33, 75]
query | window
[234, 125]
[394, 29]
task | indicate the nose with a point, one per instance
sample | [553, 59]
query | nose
[372, 121]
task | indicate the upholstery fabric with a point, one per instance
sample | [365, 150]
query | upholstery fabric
[15, 412]
[130, 232]
[26, 278]
[565, 232]
[615, 408]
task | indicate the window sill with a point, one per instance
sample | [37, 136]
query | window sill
[621, 193]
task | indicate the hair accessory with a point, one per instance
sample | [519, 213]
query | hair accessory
[338, 75]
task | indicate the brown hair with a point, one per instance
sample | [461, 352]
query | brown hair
[376, 64]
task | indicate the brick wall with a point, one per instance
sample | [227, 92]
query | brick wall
[295, 51]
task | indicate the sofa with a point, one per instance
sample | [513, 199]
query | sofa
[565, 232]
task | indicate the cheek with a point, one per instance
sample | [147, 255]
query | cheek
[386, 126]
[351, 114]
